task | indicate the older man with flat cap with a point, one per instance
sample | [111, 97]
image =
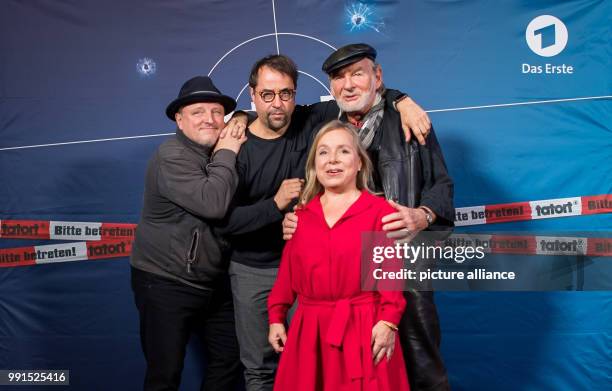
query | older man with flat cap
[179, 265]
[413, 178]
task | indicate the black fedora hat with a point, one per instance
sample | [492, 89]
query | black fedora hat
[347, 55]
[199, 89]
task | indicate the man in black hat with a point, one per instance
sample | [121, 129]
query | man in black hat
[413, 178]
[179, 266]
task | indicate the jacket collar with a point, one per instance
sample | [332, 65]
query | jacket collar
[200, 149]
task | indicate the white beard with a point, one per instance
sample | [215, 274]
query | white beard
[360, 105]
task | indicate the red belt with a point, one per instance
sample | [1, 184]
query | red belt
[337, 334]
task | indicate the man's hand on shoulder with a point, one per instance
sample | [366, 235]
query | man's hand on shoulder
[241, 117]
[414, 119]
[289, 225]
[405, 223]
[232, 136]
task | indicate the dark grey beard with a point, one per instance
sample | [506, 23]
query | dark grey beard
[275, 127]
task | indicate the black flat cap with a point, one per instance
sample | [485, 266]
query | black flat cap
[347, 55]
[199, 89]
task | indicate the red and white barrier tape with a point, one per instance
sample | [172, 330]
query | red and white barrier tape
[533, 210]
[498, 244]
[534, 244]
[65, 252]
[65, 230]
[114, 240]
[469, 215]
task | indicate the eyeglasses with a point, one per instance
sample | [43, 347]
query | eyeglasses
[284, 95]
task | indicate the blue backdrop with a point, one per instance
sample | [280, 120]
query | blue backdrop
[73, 71]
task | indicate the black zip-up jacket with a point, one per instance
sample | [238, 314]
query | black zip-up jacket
[185, 191]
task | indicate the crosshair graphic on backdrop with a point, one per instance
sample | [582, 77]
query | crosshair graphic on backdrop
[276, 34]
[360, 16]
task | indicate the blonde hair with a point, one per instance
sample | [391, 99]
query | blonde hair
[313, 186]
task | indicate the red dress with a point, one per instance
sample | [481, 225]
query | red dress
[329, 340]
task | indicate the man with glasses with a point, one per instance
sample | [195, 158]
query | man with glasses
[268, 170]
[270, 167]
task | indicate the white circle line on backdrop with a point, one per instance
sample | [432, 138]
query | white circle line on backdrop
[602, 97]
[275, 28]
[265, 36]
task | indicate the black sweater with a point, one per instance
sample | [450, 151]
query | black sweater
[253, 225]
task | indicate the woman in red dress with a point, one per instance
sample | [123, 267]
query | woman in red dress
[341, 338]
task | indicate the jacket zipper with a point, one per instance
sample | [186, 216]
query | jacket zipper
[411, 199]
[193, 249]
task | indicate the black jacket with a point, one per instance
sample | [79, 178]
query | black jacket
[413, 174]
[185, 190]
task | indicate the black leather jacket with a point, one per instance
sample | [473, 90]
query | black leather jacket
[416, 175]
[410, 173]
